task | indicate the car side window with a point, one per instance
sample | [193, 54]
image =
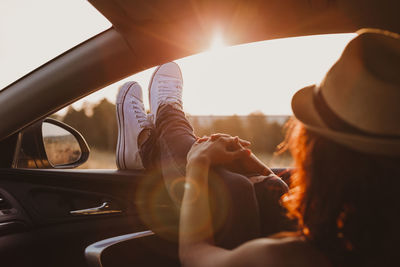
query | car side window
[244, 91]
[96, 122]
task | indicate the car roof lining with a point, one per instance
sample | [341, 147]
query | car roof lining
[149, 33]
[178, 28]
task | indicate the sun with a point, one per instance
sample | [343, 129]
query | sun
[217, 43]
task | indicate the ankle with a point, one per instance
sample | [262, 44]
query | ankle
[167, 107]
[143, 137]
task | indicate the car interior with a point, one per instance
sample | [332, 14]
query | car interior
[59, 216]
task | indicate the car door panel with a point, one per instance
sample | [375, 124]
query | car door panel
[43, 232]
[136, 249]
[47, 233]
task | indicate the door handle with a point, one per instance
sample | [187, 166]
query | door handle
[102, 209]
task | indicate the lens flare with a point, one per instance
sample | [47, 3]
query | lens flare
[217, 42]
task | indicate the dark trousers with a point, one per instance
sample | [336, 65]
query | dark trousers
[241, 210]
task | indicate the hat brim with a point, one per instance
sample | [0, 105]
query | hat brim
[304, 110]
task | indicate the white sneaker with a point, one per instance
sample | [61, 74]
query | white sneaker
[132, 120]
[165, 88]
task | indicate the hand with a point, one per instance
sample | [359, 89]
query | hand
[219, 149]
[248, 165]
[236, 145]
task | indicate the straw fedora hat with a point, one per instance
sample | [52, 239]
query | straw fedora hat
[358, 102]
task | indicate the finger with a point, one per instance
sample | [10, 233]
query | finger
[244, 142]
[203, 139]
[227, 139]
[214, 137]
[230, 143]
[236, 139]
[257, 179]
[237, 154]
[241, 141]
[218, 135]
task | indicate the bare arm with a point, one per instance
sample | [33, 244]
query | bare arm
[196, 244]
[195, 220]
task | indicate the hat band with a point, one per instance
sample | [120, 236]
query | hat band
[334, 122]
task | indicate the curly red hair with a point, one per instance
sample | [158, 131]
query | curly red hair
[345, 201]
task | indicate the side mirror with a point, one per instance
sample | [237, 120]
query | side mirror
[50, 143]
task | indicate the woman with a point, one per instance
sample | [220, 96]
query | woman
[346, 144]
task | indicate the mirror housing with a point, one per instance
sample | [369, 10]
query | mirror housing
[30, 151]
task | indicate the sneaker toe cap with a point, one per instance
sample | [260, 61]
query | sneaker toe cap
[170, 69]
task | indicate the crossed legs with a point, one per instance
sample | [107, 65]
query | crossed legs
[237, 211]
[232, 196]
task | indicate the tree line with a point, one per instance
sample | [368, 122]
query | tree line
[98, 125]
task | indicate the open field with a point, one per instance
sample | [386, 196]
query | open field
[106, 160]
[99, 159]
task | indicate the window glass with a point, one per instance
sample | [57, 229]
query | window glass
[243, 90]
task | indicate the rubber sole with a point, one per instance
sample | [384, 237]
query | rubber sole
[149, 89]
[120, 151]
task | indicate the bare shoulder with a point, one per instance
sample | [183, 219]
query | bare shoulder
[288, 251]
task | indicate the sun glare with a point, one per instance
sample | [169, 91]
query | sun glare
[261, 76]
[217, 42]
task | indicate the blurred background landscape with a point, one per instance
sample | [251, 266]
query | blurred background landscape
[255, 81]
[97, 123]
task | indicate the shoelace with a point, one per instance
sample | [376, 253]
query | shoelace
[140, 114]
[170, 91]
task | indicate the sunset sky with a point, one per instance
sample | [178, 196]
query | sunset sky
[239, 80]
[235, 80]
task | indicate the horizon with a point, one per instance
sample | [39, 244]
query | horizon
[247, 78]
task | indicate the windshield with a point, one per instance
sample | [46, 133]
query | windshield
[34, 32]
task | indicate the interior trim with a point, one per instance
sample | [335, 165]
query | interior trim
[93, 252]
[98, 62]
